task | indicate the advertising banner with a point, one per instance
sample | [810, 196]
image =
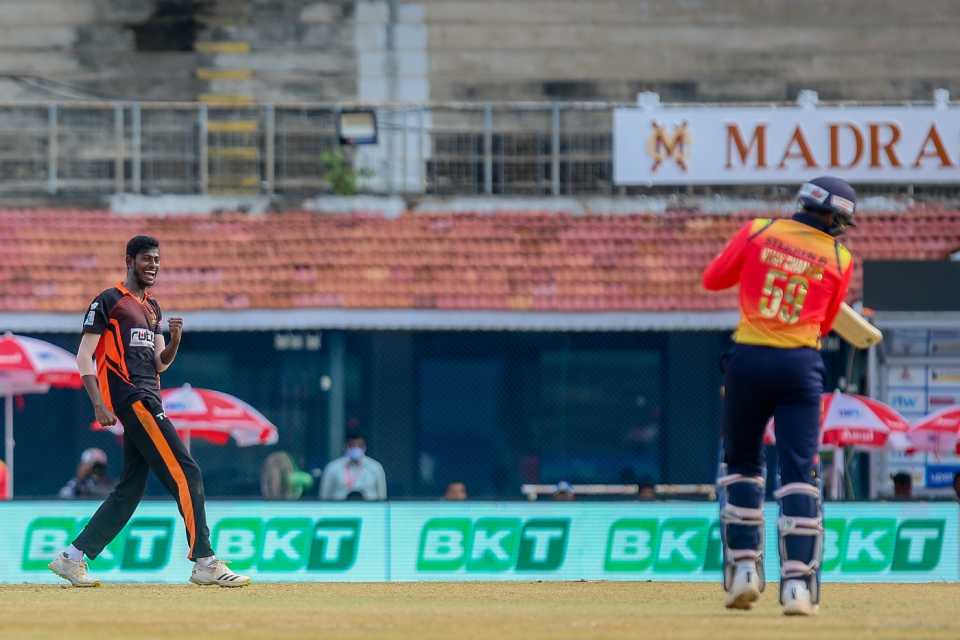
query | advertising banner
[786, 145]
[864, 542]
[297, 542]
[270, 541]
[920, 378]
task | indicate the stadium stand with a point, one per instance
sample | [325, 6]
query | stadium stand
[526, 261]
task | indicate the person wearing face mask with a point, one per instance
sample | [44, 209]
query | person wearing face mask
[353, 473]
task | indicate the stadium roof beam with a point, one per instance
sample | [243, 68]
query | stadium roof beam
[404, 319]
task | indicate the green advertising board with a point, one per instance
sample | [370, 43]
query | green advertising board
[313, 541]
[275, 542]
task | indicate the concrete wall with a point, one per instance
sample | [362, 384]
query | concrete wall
[488, 49]
[77, 48]
[711, 50]
[62, 49]
[299, 50]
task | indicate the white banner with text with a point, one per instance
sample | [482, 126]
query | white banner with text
[786, 145]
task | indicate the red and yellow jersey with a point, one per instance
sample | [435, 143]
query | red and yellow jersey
[792, 277]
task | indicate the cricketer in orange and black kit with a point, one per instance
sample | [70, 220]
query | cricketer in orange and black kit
[130, 385]
[793, 275]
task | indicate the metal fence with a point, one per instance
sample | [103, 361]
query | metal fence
[531, 149]
[188, 148]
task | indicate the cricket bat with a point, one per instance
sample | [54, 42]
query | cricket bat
[855, 329]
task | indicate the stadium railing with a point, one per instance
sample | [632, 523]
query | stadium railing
[455, 148]
[702, 491]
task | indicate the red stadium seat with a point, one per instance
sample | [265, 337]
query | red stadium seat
[521, 260]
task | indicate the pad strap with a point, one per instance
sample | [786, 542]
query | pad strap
[796, 569]
[732, 514]
[799, 526]
[729, 479]
[797, 488]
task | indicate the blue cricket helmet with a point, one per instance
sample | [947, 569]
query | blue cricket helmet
[834, 196]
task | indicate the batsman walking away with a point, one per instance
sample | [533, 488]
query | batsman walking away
[793, 276]
[121, 355]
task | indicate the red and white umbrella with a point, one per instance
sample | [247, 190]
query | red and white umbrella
[28, 362]
[858, 421]
[848, 420]
[217, 416]
[938, 432]
[28, 365]
[213, 416]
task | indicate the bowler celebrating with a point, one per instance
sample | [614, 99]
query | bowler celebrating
[793, 276]
[121, 330]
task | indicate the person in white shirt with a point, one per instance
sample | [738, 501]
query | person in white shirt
[353, 473]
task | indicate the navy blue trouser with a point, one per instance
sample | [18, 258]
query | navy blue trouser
[787, 384]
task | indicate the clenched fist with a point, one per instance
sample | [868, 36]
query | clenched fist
[104, 416]
[176, 328]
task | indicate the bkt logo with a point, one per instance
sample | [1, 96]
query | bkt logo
[673, 545]
[493, 544]
[876, 544]
[858, 545]
[288, 544]
[143, 545]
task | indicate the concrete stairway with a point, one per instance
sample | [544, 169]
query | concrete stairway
[232, 135]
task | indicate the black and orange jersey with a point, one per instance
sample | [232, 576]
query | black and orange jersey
[126, 369]
[792, 276]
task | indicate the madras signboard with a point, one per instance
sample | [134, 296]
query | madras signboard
[786, 145]
[881, 542]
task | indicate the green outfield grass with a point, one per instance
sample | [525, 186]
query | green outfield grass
[463, 610]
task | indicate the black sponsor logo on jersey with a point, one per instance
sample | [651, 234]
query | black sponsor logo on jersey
[141, 338]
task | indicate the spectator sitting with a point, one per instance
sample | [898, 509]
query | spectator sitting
[956, 484]
[564, 492]
[455, 491]
[91, 480]
[354, 472]
[902, 486]
[647, 491]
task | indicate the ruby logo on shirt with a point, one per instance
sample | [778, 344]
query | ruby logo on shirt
[141, 338]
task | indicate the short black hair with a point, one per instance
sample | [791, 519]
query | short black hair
[139, 244]
[354, 436]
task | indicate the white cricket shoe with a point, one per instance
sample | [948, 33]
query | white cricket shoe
[217, 573]
[745, 589]
[796, 599]
[75, 571]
